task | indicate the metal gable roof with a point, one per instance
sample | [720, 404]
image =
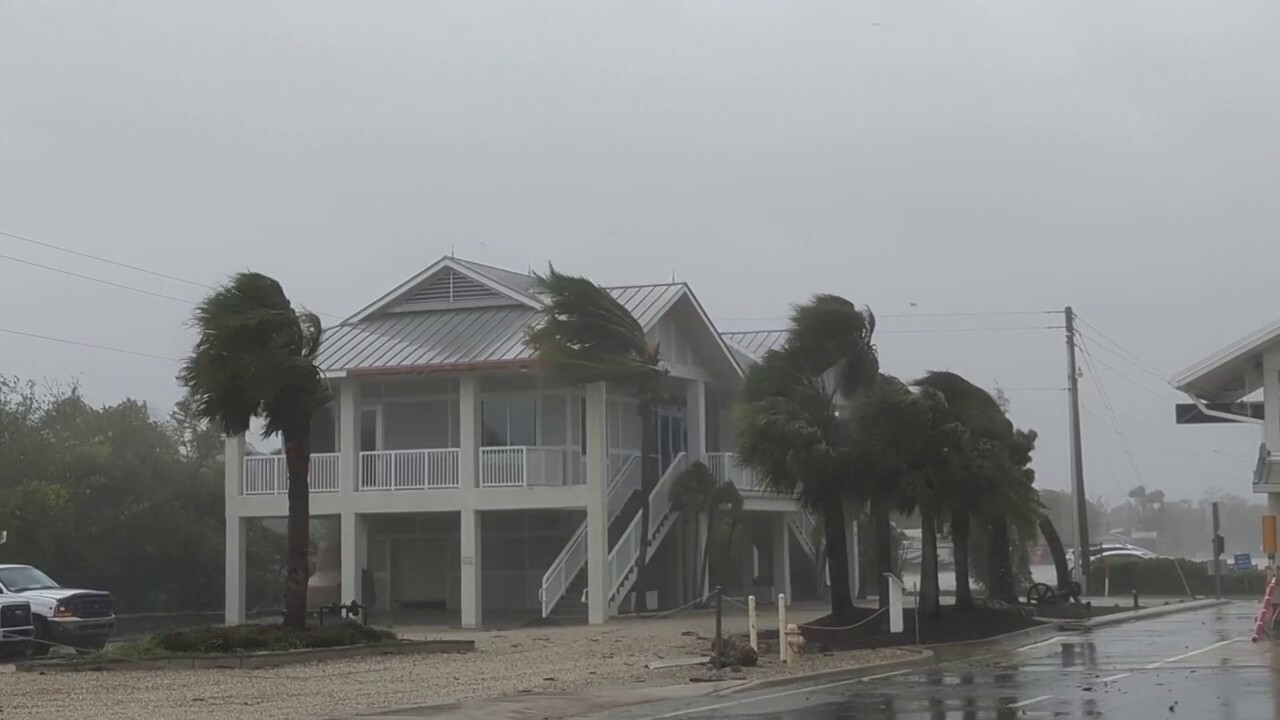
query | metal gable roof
[647, 303]
[755, 343]
[1225, 376]
[464, 336]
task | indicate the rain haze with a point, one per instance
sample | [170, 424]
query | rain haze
[993, 157]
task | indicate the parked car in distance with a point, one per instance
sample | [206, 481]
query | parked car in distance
[82, 619]
[16, 628]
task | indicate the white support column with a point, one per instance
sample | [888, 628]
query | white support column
[236, 541]
[472, 597]
[781, 556]
[355, 539]
[696, 418]
[235, 532]
[348, 437]
[1271, 400]
[469, 437]
[469, 433]
[597, 445]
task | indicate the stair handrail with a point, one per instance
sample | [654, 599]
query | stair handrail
[575, 548]
[625, 555]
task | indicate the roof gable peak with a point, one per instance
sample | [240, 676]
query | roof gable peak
[452, 283]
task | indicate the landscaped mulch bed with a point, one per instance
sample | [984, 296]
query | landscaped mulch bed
[951, 625]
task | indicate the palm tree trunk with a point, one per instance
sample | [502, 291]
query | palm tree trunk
[884, 550]
[706, 551]
[930, 602]
[728, 543]
[297, 454]
[1059, 553]
[960, 549]
[837, 558]
[648, 479]
[1001, 586]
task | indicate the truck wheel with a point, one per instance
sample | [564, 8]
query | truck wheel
[39, 647]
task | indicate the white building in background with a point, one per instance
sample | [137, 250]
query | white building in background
[465, 480]
[1220, 387]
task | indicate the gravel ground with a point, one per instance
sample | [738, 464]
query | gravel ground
[548, 659]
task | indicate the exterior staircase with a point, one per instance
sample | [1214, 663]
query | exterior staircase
[561, 578]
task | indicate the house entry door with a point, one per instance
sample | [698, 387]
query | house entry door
[671, 437]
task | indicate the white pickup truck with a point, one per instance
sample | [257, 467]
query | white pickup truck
[16, 627]
[79, 618]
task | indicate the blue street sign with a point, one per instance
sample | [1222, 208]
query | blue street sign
[1242, 561]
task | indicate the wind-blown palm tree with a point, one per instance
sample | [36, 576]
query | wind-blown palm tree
[974, 485]
[790, 427]
[255, 357]
[697, 492]
[585, 335]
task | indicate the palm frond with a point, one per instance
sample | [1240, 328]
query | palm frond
[254, 356]
[586, 335]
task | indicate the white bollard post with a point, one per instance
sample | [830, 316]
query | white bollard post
[752, 633]
[895, 603]
[782, 627]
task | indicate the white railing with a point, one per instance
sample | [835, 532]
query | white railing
[525, 466]
[623, 557]
[561, 573]
[625, 477]
[574, 555]
[423, 469]
[269, 474]
[805, 525]
[725, 468]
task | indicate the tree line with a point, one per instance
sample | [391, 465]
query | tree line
[113, 498]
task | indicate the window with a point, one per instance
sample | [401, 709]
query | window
[369, 429]
[509, 422]
[324, 430]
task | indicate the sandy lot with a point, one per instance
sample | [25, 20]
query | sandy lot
[527, 660]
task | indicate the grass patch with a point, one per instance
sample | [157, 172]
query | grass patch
[266, 638]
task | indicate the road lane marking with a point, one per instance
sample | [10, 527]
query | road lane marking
[1032, 701]
[771, 696]
[1115, 677]
[1186, 655]
[1050, 641]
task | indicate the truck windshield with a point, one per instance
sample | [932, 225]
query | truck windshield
[22, 579]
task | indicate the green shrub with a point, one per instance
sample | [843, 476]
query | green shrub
[1159, 576]
[264, 638]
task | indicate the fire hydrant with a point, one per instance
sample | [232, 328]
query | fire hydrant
[795, 642]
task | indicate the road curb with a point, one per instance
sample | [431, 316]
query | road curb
[921, 655]
[1143, 614]
[924, 655]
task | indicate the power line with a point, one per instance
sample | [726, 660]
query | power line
[1115, 370]
[116, 263]
[108, 261]
[926, 331]
[1106, 403]
[998, 313]
[90, 278]
[79, 343]
[1105, 343]
[1136, 358]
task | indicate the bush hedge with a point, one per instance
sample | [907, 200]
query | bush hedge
[1159, 576]
[266, 638]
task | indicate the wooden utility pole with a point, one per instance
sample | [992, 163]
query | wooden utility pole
[1080, 506]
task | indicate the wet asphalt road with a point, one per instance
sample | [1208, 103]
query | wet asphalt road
[1197, 665]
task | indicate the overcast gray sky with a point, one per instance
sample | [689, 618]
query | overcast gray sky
[1005, 156]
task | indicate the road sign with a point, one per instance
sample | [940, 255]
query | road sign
[1242, 561]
